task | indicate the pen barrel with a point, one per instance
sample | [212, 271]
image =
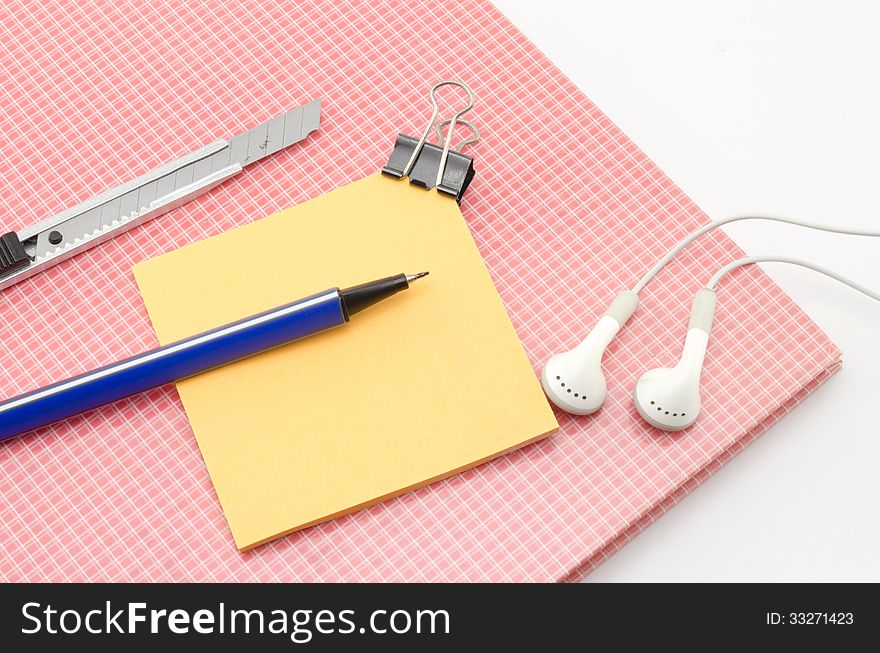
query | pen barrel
[172, 362]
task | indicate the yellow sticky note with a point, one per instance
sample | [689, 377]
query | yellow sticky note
[423, 385]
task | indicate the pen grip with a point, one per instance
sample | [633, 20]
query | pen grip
[171, 363]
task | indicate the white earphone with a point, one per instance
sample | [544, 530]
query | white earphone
[669, 397]
[666, 398]
[573, 380]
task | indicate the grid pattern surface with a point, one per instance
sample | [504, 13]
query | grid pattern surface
[565, 209]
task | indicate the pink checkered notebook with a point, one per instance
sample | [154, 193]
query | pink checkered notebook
[565, 209]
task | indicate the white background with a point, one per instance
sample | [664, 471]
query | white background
[769, 107]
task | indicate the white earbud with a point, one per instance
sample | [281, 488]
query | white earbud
[573, 380]
[669, 397]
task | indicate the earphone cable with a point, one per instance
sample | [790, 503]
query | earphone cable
[749, 260]
[736, 218]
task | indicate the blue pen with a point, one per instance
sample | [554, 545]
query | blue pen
[192, 356]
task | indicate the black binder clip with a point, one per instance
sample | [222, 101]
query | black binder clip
[429, 165]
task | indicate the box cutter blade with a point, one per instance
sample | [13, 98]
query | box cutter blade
[119, 209]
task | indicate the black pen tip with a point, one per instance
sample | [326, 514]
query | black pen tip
[412, 277]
